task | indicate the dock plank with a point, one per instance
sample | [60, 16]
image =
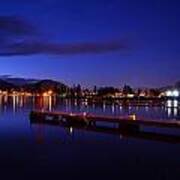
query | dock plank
[124, 120]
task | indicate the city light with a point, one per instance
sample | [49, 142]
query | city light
[173, 93]
[169, 93]
[133, 117]
[45, 94]
[48, 93]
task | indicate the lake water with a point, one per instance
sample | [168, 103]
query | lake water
[30, 151]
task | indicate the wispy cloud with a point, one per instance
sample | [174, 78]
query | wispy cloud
[23, 42]
[30, 48]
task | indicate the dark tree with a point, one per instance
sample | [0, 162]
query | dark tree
[127, 90]
[107, 90]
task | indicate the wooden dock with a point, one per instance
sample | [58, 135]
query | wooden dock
[89, 119]
[56, 119]
[152, 136]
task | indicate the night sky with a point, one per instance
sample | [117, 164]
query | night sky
[102, 42]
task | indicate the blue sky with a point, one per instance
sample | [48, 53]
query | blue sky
[148, 29]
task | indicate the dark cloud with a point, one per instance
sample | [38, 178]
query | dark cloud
[15, 25]
[31, 48]
[29, 44]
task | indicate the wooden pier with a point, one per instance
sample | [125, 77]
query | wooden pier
[89, 119]
[79, 122]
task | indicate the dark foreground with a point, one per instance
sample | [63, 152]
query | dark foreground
[88, 158]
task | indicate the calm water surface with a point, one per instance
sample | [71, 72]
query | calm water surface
[40, 151]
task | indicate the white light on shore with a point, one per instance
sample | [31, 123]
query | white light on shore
[169, 93]
[174, 93]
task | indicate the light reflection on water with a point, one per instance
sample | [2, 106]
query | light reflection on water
[171, 109]
[46, 148]
[17, 104]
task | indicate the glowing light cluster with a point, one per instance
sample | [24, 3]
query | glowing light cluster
[48, 93]
[174, 93]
